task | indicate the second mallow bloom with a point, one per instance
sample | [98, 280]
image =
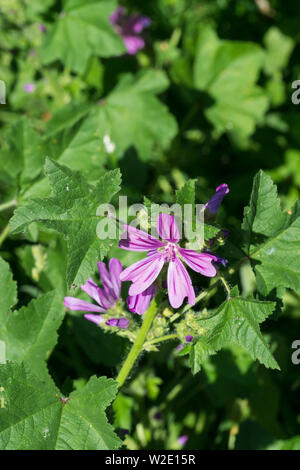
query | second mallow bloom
[105, 297]
[167, 250]
[130, 28]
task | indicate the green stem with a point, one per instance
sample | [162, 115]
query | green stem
[225, 285]
[7, 205]
[4, 234]
[160, 339]
[138, 344]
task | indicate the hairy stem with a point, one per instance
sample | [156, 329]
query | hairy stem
[138, 344]
[4, 234]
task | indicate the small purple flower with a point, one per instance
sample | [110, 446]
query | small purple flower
[144, 273]
[130, 28]
[119, 322]
[105, 297]
[189, 338]
[215, 201]
[183, 439]
[42, 28]
[179, 347]
[29, 87]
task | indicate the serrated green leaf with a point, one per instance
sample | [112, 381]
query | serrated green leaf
[237, 321]
[228, 70]
[276, 256]
[82, 29]
[36, 417]
[31, 333]
[72, 211]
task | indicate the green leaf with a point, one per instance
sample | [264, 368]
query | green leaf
[288, 444]
[199, 353]
[22, 155]
[186, 195]
[277, 256]
[36, 417]
[279, 48]
[228, 71]
[237, 321]
[82, 29]
[72, 211]
[130, 106]
[30, 333]
[8, 288]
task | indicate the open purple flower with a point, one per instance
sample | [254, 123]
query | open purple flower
[105, 297]
[130, 28]
[215, 201]
[143, 273]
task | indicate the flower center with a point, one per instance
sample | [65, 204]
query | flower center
[169, 251]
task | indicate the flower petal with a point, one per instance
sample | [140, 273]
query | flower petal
[133, 44]
[137, 23]
[179, 284]
[214, 203]
[94, 318]
[91, 288]
[138, 240]
[167, 228]
[76, 304]
[140, 302]
[143, 273]
[199, 262]
[115, 269]
[117, 16]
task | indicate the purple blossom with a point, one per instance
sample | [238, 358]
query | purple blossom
[42, 28]
[143, 273]
[29, 87]
[183, 439]
[179, 347]
[189, 338]
[215, 201]
[119, 322]
[105, 297]
[130, 28]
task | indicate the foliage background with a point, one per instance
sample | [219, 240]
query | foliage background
[208, 98]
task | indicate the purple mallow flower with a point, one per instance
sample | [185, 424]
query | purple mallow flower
[42, 28]
[29, 87]
[105, 297]
[130, 28]
[215, 201]
[183, 439]
[143, 273]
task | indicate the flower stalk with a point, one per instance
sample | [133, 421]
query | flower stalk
[137, 347]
